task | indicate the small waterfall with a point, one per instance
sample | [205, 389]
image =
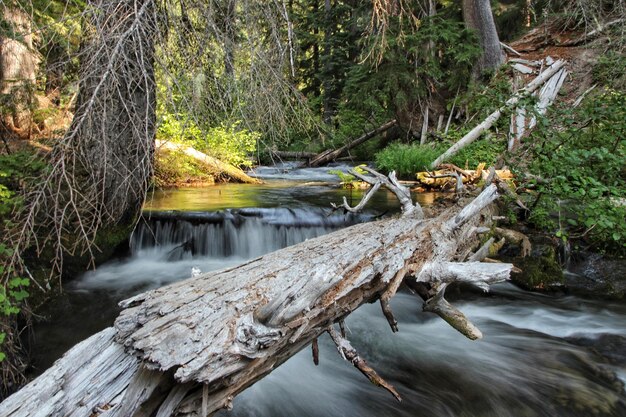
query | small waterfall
[244, 233]
[168, 245]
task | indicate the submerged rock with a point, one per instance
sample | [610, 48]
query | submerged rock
[597, 275]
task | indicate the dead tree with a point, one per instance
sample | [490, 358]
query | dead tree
[189, 348]
[511, 103]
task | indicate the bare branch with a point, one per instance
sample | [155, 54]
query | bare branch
[350, 354]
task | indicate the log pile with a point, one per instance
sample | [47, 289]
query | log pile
[189, 348]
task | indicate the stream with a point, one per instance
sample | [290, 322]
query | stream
[541, 355]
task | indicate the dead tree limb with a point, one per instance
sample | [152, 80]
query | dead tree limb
[192, 346]
[330, 155]
[486, 124]
[350, 354]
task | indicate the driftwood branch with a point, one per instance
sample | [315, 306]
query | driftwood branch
[366, 198]
[392, 184]
[451, 315]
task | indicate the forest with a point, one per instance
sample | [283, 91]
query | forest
[497, 128]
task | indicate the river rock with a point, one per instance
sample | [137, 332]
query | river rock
[597, 275]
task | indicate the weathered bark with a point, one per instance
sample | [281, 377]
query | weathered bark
[327, 80]
[521, 123]
[18, 69]
[331, 155]
[228, 170]
[192, 346]
[486, 124]
[478, 16]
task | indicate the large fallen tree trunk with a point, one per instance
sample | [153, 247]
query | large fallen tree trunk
[486, 124]
[214, 164]
[331, 155]
[189, 348]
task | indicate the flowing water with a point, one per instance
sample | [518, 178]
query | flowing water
[541, 355]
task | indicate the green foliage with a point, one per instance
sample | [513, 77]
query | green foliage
[12, 292]
[438, 54]
[228, 143]
[177, 168]
[348, 180]
[406, 160]
[611, 70]
[582, 163]
[17, 171]
[481, 100]
[481, 151]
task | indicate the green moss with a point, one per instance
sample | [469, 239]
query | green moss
[540, 271]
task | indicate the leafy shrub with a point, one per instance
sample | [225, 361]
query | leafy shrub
[229, 143]
[611, 69]
[406, 160]
[481, 151]
[581, 162]
[16, 170]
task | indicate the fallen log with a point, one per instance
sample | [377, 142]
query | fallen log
[330, 155]
[214, 164]
[293, 155]
[189, 348]
[486, 124]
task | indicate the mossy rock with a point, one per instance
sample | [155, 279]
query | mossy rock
[540, 271]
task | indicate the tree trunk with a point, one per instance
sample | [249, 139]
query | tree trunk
[18, 70]
[478, 16]
[112, 134]
[189, 348]
[229, 30]
[328, 83]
